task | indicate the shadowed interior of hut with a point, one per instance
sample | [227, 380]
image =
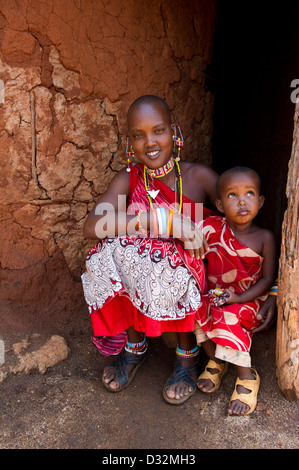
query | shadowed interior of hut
[255, 61]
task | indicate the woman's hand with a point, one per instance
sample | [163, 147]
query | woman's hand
[188, 232]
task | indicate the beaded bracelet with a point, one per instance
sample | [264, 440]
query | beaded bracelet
[274, 289]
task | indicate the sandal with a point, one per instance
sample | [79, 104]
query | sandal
[121, 364]
[182, 374]
[249, 399]
[214, 378]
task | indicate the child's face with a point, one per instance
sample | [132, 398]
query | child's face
[240, 200]
[151, 134]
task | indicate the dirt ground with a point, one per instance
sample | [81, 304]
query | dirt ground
[68, 408]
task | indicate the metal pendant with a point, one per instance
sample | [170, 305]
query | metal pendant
[153, 193]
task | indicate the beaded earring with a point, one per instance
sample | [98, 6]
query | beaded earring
[178, 141]
[129, 154]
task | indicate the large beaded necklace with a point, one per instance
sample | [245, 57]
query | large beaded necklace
[158, 173]
[162, 171]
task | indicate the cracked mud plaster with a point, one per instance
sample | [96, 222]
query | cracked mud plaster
[70, 70]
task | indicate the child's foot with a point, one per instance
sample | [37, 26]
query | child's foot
[244, 398]
[209, 381]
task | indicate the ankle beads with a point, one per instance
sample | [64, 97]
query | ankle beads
[185, 353]
[136, 348]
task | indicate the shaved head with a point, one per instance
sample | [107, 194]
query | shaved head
[237, 170]
[149, 100]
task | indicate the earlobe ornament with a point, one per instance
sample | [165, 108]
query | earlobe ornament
[178, 141]
[129, 154]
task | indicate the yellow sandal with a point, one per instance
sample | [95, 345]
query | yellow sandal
[215, 378]
[250, 399]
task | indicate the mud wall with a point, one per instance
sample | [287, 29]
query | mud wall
[68, 71]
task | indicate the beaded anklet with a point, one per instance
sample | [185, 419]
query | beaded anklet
[136, 348]
[185, 353]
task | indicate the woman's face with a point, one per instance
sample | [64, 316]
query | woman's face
[151, 134]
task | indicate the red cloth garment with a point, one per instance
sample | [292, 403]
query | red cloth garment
[110, 345]
[230, 264]
[150, 283]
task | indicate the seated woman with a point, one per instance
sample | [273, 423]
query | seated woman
[145, 275]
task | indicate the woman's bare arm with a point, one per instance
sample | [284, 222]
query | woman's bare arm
[109, 216]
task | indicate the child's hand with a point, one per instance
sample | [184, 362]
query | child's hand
[218, 297]
[232, 298]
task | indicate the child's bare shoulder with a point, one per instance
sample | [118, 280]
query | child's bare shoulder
[266, 237]
[264, 233]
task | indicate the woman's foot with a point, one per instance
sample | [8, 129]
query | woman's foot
[244, 398]
[110, 376]
[120, 372]
[182, 383]
[181, 389]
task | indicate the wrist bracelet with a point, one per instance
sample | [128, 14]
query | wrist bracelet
[274, 289]
[159, 221]
[162, 222]
[155, 222]
[140, 227]
[169, 222]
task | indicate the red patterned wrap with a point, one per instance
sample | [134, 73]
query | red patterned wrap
[151, 283]
[230, 265]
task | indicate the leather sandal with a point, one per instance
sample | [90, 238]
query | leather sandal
[182, 374]
[121, 364]
[214, 378]
[250, 399]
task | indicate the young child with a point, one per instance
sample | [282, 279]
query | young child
[145, 275]
[241, 265]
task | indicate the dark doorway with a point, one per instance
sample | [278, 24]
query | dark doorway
[256, 57]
